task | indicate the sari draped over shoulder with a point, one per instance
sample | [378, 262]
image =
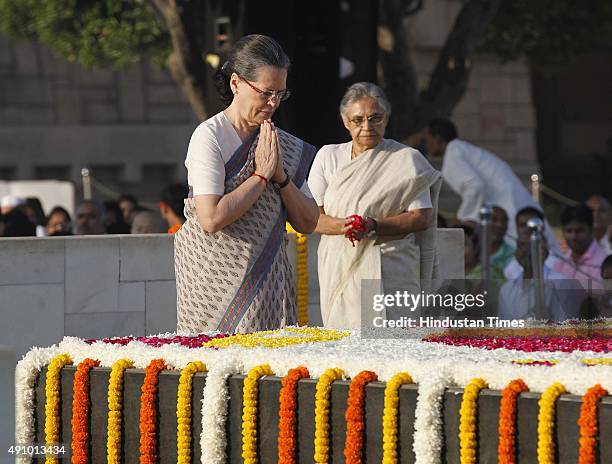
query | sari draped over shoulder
[380, 182]
[240, 279]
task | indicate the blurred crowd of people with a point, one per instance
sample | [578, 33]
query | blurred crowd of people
[25, 217]
[577, 271]
[586, 243]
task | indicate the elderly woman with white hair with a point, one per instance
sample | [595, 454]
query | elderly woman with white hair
[380, 193]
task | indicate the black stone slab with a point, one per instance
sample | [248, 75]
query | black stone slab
[234, 420]
[130, 444]
[566, 430]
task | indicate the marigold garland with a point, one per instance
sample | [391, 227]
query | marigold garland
[80, 412]
[148, 412]
[468, 421]
[546, 423]
[115, 409]
[587, 453]
[506, 449]
[301, 270]
[322, 408]
[268, 338]
[249, 412]
[183, 411]
[355, 415]
[287, 416]
[390, 414]
[52, 404]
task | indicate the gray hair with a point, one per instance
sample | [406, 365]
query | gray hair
[361, 90]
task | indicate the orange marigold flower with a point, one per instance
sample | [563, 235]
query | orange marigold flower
[354, 415]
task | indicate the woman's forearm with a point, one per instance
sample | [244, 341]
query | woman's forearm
[215, 212]
[302, 212]
[405, 223]
[330, 225]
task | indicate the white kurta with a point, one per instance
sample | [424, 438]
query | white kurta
[517, 297]
[479, 177]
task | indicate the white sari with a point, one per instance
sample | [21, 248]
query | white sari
[380, 182]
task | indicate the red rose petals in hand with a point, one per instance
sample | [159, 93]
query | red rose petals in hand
[357, 224]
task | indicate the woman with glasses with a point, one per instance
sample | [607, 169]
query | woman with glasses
[246, 178]
[392, 189]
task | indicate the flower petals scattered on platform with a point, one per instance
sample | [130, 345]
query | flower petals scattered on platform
[190, 341]
[597, 343]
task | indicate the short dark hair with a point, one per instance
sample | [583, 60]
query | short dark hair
[112, 207]
[247, 55]
[127, 197]
[174, 195]
[17, 224]
[58, 210]
[442, 128]
[580, 213]
[606, 263]
[36, 205]
[532, 210]
[501, 208]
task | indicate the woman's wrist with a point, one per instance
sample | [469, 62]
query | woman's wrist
[260, 176]
[283, 183]
[371, 226]
[279, 177]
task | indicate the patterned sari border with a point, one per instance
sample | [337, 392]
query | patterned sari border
[254, 278]
[240, 157]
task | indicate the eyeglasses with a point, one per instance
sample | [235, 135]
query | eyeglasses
[267, 95]
[374, 120]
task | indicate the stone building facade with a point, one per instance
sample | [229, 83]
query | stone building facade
[56, 118]
[497, 111]
[132, 127]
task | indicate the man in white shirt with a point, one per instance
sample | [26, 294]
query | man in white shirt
[517, 296]
[602, 221]
[513, 269]
[478, 176]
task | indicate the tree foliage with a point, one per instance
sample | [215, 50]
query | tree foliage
[549, 31]
[91, 32]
